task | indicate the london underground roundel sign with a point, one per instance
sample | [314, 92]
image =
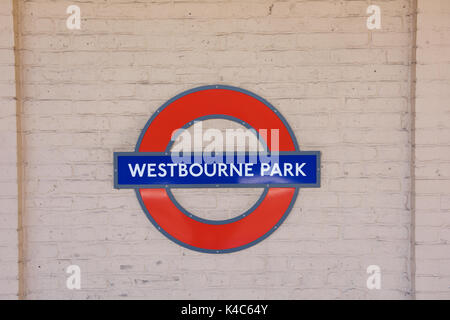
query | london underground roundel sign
[152, 170]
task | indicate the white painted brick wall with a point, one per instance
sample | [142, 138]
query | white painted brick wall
[345, 91]
[342, 88]
[433, 151]
[8, 158]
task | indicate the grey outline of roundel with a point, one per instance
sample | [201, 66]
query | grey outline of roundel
[250, 244]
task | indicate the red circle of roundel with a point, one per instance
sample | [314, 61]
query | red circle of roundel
[167, 217]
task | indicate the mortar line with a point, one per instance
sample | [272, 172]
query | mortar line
[413, 84]
[20, 164]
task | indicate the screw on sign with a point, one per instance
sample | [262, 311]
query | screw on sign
[152, 171]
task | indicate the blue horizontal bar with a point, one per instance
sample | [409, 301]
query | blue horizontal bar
[198, 170]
